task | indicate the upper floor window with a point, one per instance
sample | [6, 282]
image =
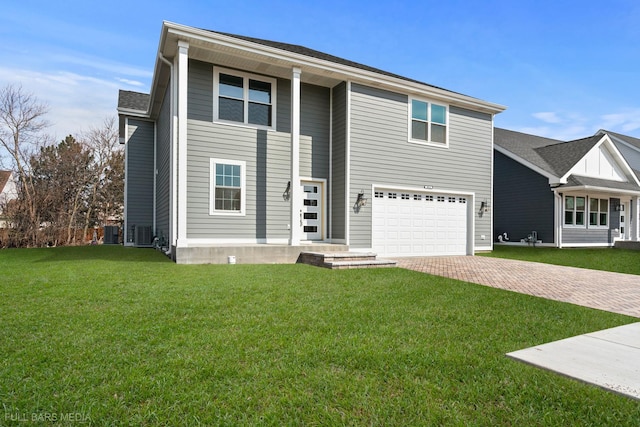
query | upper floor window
[428, 122]
[244, 98]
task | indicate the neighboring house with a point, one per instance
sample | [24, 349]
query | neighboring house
[254, 147]
[571, 194]
[8, 192]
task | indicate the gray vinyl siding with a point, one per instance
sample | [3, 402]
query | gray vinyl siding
[315, 110]
[338, 161]
[522, 201]
[632, 156]
[163, 160]
[381, 154]
[200, 91]
[266, 153]
[577, 236]
[139, 174]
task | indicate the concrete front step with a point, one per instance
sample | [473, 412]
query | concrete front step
[343, 260]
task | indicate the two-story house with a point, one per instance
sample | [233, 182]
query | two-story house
[258, 149]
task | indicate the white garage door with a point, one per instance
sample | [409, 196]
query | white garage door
[408, 224]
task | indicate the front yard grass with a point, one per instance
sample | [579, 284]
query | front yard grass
[608, 259]
[123, 336]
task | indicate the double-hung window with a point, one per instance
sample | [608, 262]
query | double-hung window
[227, 192]
[598, 212]
[574, 210]
[428, 122]
[244, 98]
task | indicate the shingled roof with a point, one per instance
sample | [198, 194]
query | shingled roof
[302, 50]
[137, 101]
[628, 139]
[557, 157]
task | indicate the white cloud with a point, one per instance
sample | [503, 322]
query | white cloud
[548, 117]
[130, 82]
[626, 121]
[76, 102]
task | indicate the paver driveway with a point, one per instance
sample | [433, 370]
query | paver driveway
[615, 292]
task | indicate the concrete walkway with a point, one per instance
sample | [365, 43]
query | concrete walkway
[615, 292]
[609, 359]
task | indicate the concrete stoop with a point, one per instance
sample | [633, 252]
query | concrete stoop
[344, 260]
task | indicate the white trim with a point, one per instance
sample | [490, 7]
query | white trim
[428, 141]
[212, 187]
[204, 242]
[587, 245]
[347, 167]
[340, 71]
[620, 160]
[295, 212]
[591, 188]
[125, 233]
[471, 223]
[576, 226]
[182, 60]
[155, 176]
[323, 222]
[330, 182]
[245, 100]
[558, 208]
[491, 200]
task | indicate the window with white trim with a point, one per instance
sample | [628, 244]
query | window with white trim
[244, 98]
[574, 210]
[227, 194]
[428, 122]
[598, 212]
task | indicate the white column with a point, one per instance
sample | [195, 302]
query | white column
[635, 219]
[182, 64]
[295, 232]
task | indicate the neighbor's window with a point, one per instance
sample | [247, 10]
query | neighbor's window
[227, 187]
[598, 212]
[574, 208]
[244, 98]
[428, 122]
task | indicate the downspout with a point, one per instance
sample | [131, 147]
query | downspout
[172, 158]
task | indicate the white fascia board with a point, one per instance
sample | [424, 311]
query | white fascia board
[618, 157]
[347, 72]
[133, 113]
[593, 188]
[553, 180]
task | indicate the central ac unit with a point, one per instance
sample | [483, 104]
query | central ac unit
[144, 236]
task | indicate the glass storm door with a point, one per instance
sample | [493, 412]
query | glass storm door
[311, 211]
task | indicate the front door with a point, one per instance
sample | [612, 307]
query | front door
[623, 221]
[311, 211]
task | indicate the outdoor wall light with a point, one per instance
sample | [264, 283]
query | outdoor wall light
[287, 192]
[360, 201]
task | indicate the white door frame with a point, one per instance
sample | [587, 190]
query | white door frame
[322, 183]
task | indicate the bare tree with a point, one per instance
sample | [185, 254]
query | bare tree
[107, 156]
[21, 131]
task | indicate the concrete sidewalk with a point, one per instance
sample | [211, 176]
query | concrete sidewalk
[609, 359]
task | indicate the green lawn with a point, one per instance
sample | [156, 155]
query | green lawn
[608, 259]
[122, 336]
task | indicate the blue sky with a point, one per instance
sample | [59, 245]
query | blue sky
[564, 69]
